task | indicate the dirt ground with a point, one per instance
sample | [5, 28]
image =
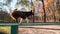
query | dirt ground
[48, 29]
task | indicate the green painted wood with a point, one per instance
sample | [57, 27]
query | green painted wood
[30, 24]
[8, 24]
[14, 29]
[38, 24]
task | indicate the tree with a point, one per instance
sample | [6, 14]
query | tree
[22, 2]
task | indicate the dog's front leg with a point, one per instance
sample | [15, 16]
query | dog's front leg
[27, 19]
[20, 20]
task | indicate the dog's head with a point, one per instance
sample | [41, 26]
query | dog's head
[32, 13]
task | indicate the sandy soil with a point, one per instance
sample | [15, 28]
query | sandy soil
[49, 29]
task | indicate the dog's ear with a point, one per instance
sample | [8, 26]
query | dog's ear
[31, 10]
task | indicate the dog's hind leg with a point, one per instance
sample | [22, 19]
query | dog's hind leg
[27, 20]
[20, 20]
[16, 21]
